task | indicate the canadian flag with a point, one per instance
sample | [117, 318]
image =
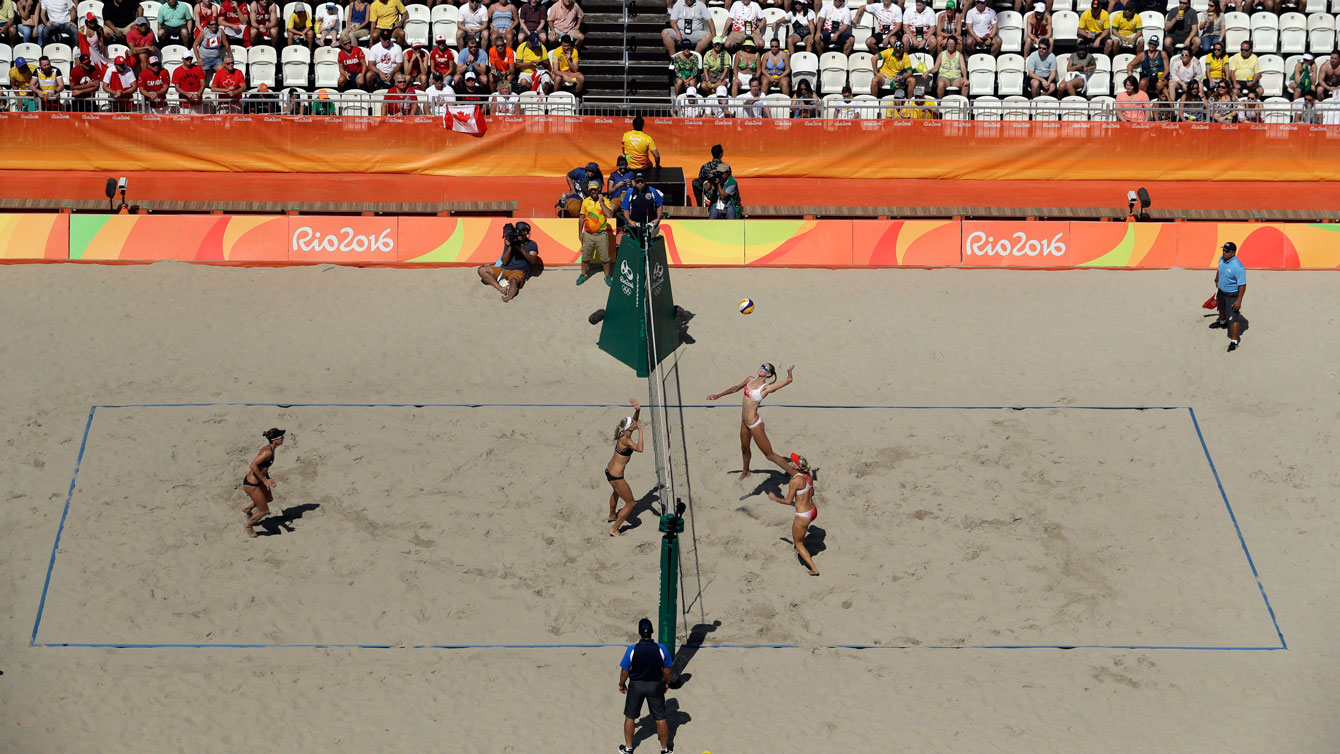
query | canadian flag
[468, 119]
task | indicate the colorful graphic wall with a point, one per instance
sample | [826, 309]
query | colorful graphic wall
[550, 146]
[732, 243]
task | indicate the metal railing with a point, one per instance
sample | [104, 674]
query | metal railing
[329, 103]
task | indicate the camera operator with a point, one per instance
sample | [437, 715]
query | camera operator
[642, 205]
[520, 260]
[706, 174]
[725, 196]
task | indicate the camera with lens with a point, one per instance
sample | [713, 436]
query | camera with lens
[509, 233]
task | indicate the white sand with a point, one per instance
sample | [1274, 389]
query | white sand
[463, 525]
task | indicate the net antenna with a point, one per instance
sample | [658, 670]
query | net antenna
[668, 441]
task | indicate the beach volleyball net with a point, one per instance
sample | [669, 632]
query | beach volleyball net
[667, 417]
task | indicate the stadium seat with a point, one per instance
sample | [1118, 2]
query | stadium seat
[1065, 27]
[1009, 75]
[1315, 6]
[172, 55]
[1100, 84]
[31, 51]
[827, 106]
[1293, 33]
[355, 103]
[6, 59]
[561, 103]
[1015, 108]
[417, 24]
[1046, 108]
[262, 65]
[921, 61]
[241, 56]
[860, 31]
[445, 29]
[1200, 6]
[445, 12]
[986, 107]
[379, 96]
[297, 62]
[1103, 109]
[1011, 27]
[326, 67]
[720, 19]
[859, 72]
[779, 105]
[86, 7]
[954, 107]
[1277, 110]
[1152, 22]
[1320, 33]
[149, 9]
[60, 54]
[1118, 68]
[1265, 33]
[1074, 108]
[1273, 75]
[1237, 27]
[532, 103]
[869, 106]
[804, 65]
[1062, 5]
[832, 72]
[772, 16]
[981, 74]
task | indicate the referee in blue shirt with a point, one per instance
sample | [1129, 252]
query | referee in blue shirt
[644, 673]
[1232, 282]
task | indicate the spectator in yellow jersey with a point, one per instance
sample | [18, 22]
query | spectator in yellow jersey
[1095, 26]
[300, 30]
[1245, 68]
[532, 62]
[47, 84]
[1127, 29]
[1216, 63]
[593, 230]
[893, 68]
[640, 148]
[387, 18]
[563, 65]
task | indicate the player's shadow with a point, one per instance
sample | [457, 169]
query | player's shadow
[674, 718]
[687, 650]
[276, 525]
[773, 481]
[647, 504]
[815, 537]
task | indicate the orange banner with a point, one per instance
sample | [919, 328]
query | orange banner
[553, 145]
[726, 243]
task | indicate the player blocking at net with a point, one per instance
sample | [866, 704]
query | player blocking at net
[757, 387]
[624, 448]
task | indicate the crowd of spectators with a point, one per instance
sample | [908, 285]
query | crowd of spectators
[123, 51]
[739, 61]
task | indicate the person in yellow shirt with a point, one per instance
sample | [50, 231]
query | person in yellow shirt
[563, 65]
[640, 148]
[532, 63]
[299, 29]
[593, 228]
[1216, 63]
[387, 17]
[893, 68]
[1245, 70]
[1095, 26]
[1127, 29]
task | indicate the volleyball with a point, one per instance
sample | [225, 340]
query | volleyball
[746, 306]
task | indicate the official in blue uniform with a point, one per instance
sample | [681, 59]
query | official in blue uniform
[1232, 282]
[644, 673]
[642, 206]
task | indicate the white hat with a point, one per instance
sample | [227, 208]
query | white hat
[722, 91]
[1039, 7]
[1308, 56]
[691, 91]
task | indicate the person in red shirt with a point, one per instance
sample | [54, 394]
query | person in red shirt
[233, 19]
[401, 99]
[119, 81]
[264, 22]
[85, 80]
[189, 81]
[416, 65]
[205, 11]
[153, 83]
[229, 83]
[443, 58]
[142, 43]
[353, 67]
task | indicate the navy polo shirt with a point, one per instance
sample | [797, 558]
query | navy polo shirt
[646, 660]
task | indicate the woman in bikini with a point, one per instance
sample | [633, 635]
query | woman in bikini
[624, 448]
[258, 484]
[800, 495]
[751, 424]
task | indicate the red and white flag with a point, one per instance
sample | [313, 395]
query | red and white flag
[467, 119]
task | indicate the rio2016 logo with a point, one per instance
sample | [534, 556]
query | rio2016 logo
[980, 244]
[344, 240]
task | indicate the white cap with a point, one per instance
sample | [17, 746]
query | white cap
[627, 424]
[723, 91]
[691, 91]
[1039, 7]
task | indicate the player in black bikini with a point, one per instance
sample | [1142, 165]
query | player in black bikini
[257, 483]
[624, 448]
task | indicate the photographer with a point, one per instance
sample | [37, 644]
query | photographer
[706, 174]
[725, 196]
[519, 261]
[642, 206]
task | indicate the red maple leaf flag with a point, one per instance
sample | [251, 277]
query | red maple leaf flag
[467, 119]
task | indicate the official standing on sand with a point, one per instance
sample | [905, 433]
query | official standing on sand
[1232, 282]
[645, 674]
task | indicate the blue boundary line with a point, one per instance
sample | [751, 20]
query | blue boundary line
[1241, 540]
[130, 645]
[51, 564]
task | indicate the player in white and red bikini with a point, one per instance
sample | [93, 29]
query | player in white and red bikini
[800, 494]
[755, 389]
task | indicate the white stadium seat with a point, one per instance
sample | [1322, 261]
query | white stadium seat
[326, 66]
[986, 107]
[561, 103]
[1293, 34]
[1321, 33]
[1010, 75]
[1015, 108]
[1074, 108]
[804, 65]
[1046, 108]
[1011, 28]
[1237, 27]
[1265, 33]
[297, 62]
[1065, 27]
[1273, 75]
[981, 74]
[262, 65]
[355, 103]
[954, 107]
[1152, 25]
[417, 24]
